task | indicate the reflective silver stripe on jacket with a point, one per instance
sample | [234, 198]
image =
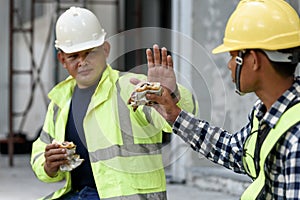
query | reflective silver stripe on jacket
[154, 196]
[36, 157]
[128, 148]
[147, 110]
[55, 111]
[47, 139]
[125, 150]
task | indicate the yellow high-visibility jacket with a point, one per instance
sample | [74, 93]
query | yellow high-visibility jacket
[124, 146]
[286, 121]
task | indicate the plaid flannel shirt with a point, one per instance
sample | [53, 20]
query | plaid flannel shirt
[282, 167]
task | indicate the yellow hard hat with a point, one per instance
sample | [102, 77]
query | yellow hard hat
[261, 24]
[78, 29]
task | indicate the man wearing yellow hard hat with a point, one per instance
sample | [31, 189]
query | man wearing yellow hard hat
[262, 38]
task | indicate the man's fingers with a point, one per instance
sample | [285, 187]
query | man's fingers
[159, 99]
[156, 51]
[164, 57]
[153, 97]
[56, 158]
[51, 146]
[134, 81]
[149, 58]
[170, 61]
[158, 58]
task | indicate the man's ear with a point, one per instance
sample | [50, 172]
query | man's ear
[61, 58]
[106, 48]
[256, 59]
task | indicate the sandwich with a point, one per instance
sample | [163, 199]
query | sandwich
[73, 158]
[138, 96]
[66, 144]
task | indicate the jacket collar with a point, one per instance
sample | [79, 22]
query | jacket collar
[288, 98]
[62, 92]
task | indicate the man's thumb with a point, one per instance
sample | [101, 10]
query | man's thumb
[135, 81]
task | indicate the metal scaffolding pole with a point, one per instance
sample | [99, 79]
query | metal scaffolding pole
[16, 26]
[13, 71]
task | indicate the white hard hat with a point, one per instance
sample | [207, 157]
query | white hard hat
[78, 29]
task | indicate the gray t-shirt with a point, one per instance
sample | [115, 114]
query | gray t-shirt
[80, 102]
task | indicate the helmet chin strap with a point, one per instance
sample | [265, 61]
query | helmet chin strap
[238, 69]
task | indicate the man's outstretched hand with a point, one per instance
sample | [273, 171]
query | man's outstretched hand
[160, 67]
[166, 105]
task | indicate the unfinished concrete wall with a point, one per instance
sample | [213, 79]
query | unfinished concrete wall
[202, 24]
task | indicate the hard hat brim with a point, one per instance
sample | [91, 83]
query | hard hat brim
[221, 49]
[82, 46]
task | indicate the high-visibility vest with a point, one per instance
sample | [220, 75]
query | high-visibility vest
[125, 150]
[286, 121]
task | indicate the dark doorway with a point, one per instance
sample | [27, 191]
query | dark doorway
[145, 13]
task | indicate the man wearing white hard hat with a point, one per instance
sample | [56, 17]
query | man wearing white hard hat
[263, 39]
[118, 149]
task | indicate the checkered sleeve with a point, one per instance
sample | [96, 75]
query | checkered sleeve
[292, 170]
[214, 143]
